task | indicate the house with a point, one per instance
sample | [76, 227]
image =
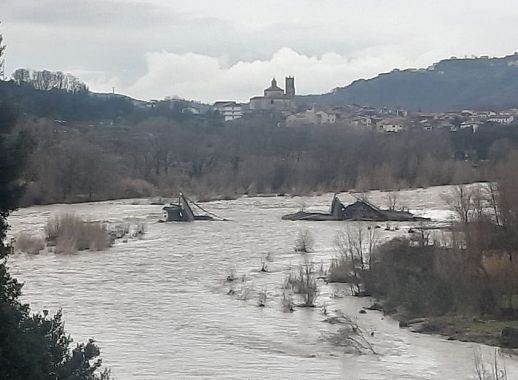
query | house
[311, 117]
[504, 119]
[325, 117]
[362, 122]
[391, 125]
[229, 110]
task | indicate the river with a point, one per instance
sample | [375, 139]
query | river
[159, 309]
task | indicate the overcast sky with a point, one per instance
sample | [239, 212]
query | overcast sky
[230, 49]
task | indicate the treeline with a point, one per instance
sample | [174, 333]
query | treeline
[161, 156]
[48, 80]
[56, 96]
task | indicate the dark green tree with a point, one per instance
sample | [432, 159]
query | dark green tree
[32, 346]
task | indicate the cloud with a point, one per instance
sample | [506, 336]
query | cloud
[91, 13]
[206, 78]
[231, 48]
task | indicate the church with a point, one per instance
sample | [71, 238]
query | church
[275, 98]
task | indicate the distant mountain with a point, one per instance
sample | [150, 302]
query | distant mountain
[452, 84]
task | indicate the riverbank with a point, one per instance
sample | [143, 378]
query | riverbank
[469, 329]
[475, 329]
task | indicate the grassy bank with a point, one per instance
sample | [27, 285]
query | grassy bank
[482, 330]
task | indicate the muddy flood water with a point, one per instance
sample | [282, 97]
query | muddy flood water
[159, 309]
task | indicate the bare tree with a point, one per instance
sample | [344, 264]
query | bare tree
[2, 45]
[461, 203]
[491, 190]
[353, 246]
[21, 76]
[2, 50]
[392, 201]
[307, 284]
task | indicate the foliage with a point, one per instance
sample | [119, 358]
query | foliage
[405, 276]
[474, 271]
[159, 156]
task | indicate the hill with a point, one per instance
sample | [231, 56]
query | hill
[451, 84]
[64, 105]
[60, 104]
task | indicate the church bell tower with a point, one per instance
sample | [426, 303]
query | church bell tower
[290, 87]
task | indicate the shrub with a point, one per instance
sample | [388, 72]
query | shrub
[287, 301]
[139, 229]
[70, 233]
[26, 243]
[304, 241]
[304, 284]
[123, 230]
[407, 275]
[118, 231]
[341, 270]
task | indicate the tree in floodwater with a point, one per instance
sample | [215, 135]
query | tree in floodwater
[32, 346]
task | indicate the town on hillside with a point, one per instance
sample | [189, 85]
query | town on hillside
[283, 103]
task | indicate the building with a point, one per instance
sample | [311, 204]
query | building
[391, 125]
[229, 110]
[311, 117]
[503, 119]
[275, 99]
[470, 125]
[362, 122]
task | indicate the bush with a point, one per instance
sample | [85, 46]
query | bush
[26, 243]
[304, 241]
[70, 233]
[341, 270]
[304, 284]
[407, 276]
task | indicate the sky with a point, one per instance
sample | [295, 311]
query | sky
[211, 50]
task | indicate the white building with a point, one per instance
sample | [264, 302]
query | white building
[502, 119]
[229, 110]
[470, 125]
[390, 126]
